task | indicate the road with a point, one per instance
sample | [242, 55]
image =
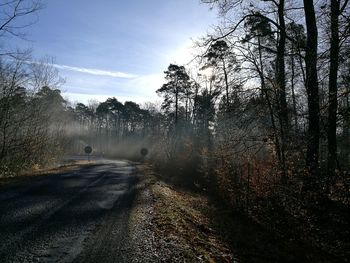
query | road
[76, 216]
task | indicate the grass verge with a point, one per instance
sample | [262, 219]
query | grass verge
[183, 230]
[35, 172]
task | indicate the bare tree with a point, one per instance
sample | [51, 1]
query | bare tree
[12, 13]
[15, 16]
[31, 117]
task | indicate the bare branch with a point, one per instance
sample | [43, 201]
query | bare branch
[12, 11]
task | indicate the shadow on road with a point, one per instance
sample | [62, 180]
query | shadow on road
[80, 215]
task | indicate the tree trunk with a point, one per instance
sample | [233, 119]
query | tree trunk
[300, 58]
[332, 89]
[261, 69]
[281, 86]
[293, 95]
[226, 85]
[312, 155]
[264, 94]
[176, 103]
[280, 69]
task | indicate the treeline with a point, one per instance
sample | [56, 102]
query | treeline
[38, 127]
[113, 129]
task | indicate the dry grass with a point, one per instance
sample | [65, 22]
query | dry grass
[43, 171]
[181, 223]
[69, 166]
[180, 215]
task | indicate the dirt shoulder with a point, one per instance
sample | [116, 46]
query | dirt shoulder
[177, 225]
[182, 226]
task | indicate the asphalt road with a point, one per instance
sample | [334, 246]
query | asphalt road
[76, 216]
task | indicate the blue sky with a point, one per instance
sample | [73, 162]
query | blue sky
[116, 48]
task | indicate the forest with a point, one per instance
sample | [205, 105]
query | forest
[260, 119]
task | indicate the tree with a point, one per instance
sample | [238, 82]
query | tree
[280, 71]
[173, 90]
[336, 10]
[132, 116]
[220, 57]
[31, 121]
[117, 111]
[205, 114]
[312, 155]
[259, 28]
[295, 48]
[82, 113]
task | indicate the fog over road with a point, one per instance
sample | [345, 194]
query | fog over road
[80, 215]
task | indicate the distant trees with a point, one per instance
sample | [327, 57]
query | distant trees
[37, 126]
[112, 128]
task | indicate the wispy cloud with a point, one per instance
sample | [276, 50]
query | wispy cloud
[91, 71]
[97, 72]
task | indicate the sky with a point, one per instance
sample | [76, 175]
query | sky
[116, 48]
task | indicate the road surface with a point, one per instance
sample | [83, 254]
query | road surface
[76, 216]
